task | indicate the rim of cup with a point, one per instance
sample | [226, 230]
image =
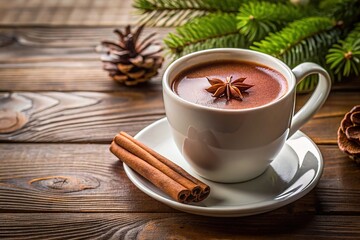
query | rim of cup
[281, 67]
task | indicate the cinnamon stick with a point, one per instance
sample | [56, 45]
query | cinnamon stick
[205, 189]
[132, 151]
[146, 156]
[155, 176]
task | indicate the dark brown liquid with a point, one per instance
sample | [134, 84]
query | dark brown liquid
[269, 84]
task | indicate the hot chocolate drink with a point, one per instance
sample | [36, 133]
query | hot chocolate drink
[230, 84]
[231, 110]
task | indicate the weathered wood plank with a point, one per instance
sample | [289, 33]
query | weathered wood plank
[36, 44]
[64, 59]
[76, 77]
[60, 59]
[175, 226]
[324, 125]
[78, 116]
[88, 178]
[340, 171]
[323, 130]
[66, 12]
[67, 178]
[37, 41]
[337, 104]
[97, 117]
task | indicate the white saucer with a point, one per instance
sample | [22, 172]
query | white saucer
[290, 176]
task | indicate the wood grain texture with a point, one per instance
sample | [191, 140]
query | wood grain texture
[64, 59]
[66, 12]
[336, 105]
[81, 116]
[322, 128]
[58, 59]
[97, 117]
[59, 112]
[67, 178]
[37, 43]
[175, 226]
[88, 178]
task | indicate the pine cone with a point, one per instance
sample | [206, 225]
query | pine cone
[131, 61]
[349, 134]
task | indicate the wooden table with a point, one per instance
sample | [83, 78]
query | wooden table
[59, 112]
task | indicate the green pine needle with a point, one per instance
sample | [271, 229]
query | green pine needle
[294, 34]
[234, 40]
[342, 10]
[214, 30]
[257, 19]
[302, 40]
[344, 57]
[177, 12]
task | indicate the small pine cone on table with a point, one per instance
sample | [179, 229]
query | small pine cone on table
[349, 134]
[130, 60]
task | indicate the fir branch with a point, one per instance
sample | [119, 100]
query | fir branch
[346, 11]
[296, 37]
[354, 34]
[177, 12]
[234, 40]
[302, 40]
[344, 57]
[214, 30]
[257, 19]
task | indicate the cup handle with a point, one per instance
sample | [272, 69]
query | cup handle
[318, 97]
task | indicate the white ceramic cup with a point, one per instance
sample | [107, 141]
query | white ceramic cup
[227, 145]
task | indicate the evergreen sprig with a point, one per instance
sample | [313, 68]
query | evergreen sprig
[342, 10]
[300, 41]
[214, 30]
[178, 12]
[344, 57]
[257, 19]
[320, 31]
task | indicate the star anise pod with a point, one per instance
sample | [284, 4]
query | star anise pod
[228, 88]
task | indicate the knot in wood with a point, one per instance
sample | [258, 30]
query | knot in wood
[11, 120]
[65, 184]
